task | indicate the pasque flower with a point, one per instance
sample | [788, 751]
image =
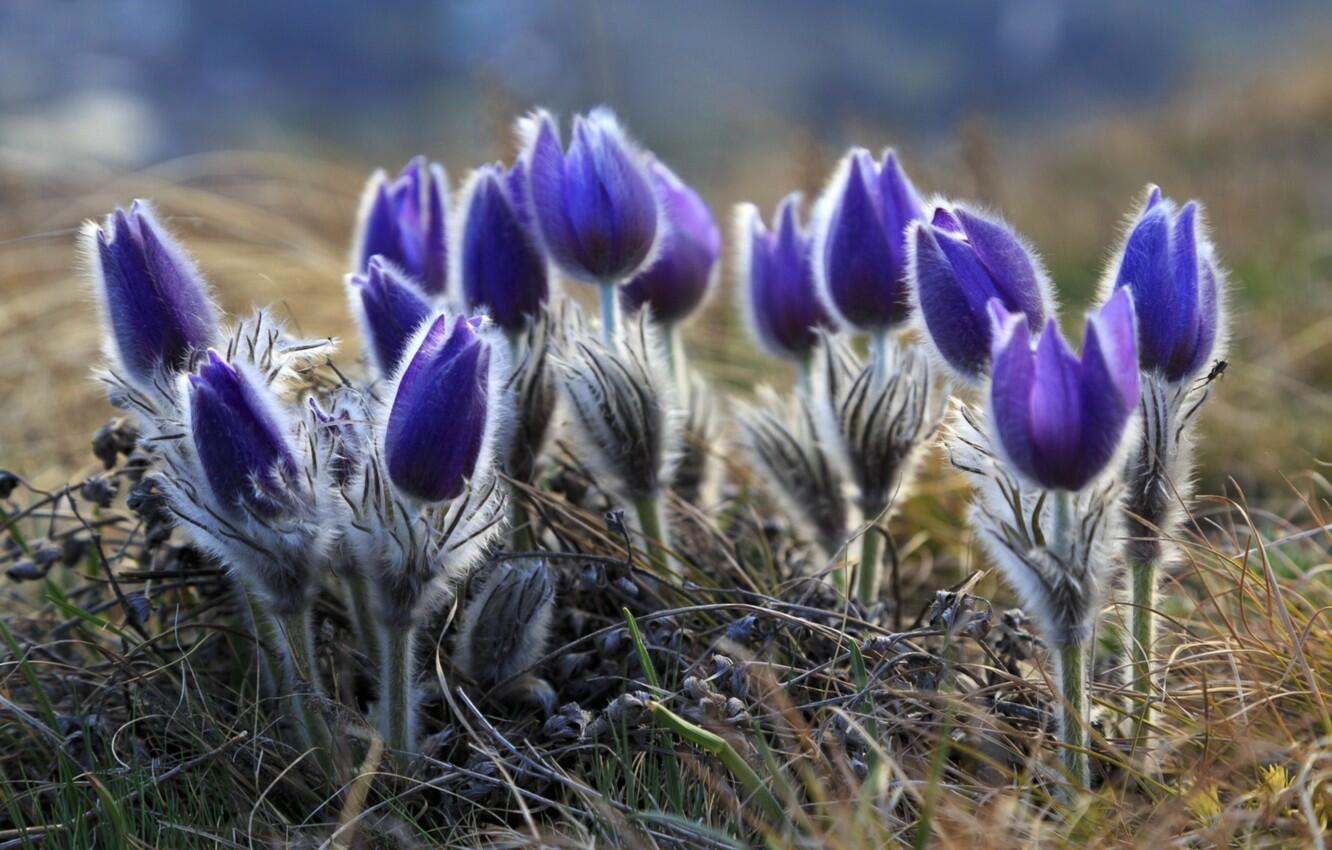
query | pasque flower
[594, 203]
[156, 305]
[777, 278]
[441, 418]
[404, 220]
[679, 279]
[239, 437]
[960, 260]
[1169, 265]
[1060, 419]
[500, 262]
[388, 307]
[860, 248]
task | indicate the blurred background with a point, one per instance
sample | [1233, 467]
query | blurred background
[253, 125]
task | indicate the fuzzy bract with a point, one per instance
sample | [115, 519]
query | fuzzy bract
[404, 220]
[960, 260]
[860, 249]
[594, 203]
[679, 279]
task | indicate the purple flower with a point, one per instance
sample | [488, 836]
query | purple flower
[1170, 266]
[1059, 419]
[959, 262]
[389, 309]
[156, 304]
[404, 221]
[503, 269]
[439, 419]
[861, 248]
[676, 282]
[239, 436]
[593, 204]
[778, 279]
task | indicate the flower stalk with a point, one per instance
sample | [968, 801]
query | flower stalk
[1072, 658]
[1142, 628]
[302, 685]
[396, 712]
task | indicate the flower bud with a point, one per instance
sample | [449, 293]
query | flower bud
[776, 275]
[678, 280]
[502, 267]
[860, 254]
[405, 221]
[1169, 264]
[594, 204]
[959, 261]
[155, 303]
[441, 422]
[389, 308]
[1060, 420]
[505, 626]
[239, 436]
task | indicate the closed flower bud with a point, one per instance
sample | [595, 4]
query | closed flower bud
[1169, 264]
[156, 305]
[679, 279]
[339, 432]
[594, 203]
[405, 221]
[239, 436]
[777, 279]
[860, 253]
[504, 628]
[1060, 419]
[389, 308]
[959, 261]
[501, 265]
[441, 420]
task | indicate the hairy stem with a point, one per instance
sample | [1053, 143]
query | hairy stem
[267, 642]
[676, 360]
[303, 687]
[1073, 716]
[879, 358]
[805, 376]
[397, 718]
[363, 615]
[610, 311]
[1142, 619]
[649, 520]
[521, 538]
[870, 575]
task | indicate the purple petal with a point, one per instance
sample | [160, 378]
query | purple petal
[1056, 412]
[390, 308]
[954, 314]
[676, 283]
[503, 270]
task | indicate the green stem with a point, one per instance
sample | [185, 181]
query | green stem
[1143, 629]
[649, 521]
[610, 310]
[805, 376]
[675, 359]
[363, 615]
[397, 720]
[268, 643]
[1073, 716]
[303, 687]
[870, 575]
[521, 538]
[879, 357]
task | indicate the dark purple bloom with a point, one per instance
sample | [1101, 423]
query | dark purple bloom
[862, 249]
[676, 282]
[1060, 419]
[960, 261]
[593, 204]
[1169, 264]
[389, 308]
[502, 266]
[777, 275]
[438, 422]
[157, 306]
[239, 436]
[404, 221]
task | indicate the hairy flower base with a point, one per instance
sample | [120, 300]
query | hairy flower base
[695, 471]
[1060, 565]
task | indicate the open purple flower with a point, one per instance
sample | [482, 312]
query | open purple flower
[404, 221]
[778, 280]
[1168, 263]
[155, 302]
[959, 262]
[389, 308]
[860, 247]
[1060, 419]
[594, 204]
[441, 410]
[502, 267]
[677, 281]
[238, 433]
